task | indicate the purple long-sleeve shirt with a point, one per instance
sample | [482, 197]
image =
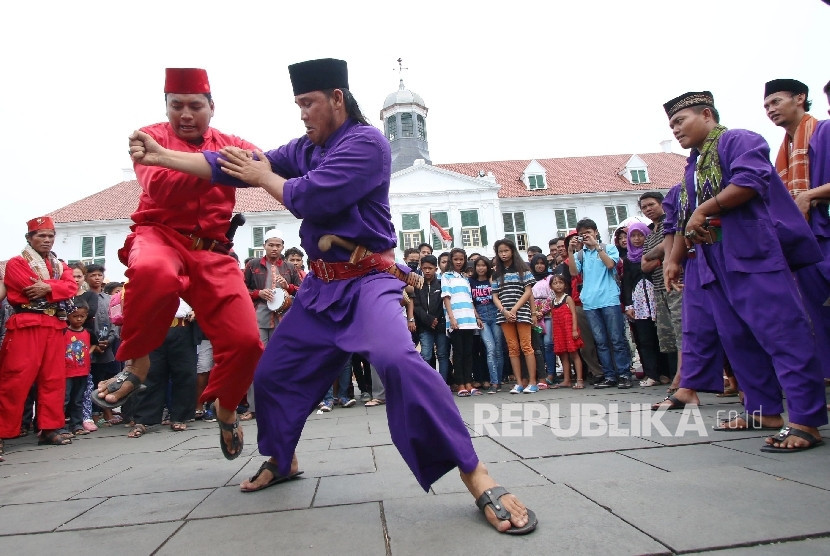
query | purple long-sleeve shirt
[339, 188]
[819, 155]
[768, 232]
[670, 203]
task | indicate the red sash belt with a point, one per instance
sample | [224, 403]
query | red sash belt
[327, 271]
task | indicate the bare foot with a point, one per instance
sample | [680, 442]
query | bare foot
[265, 476]
[477, 482]
[139, 367]
[792, 441]
[683, 395]
[739, 422]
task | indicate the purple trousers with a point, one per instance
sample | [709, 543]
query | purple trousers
[761, 324]
[308, 351]
[814, 283]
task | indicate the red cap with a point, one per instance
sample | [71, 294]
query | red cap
[40, 223]
[186, 80]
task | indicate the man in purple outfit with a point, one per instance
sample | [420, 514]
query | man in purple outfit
[739, 291]
[803, 163]
[336, 179]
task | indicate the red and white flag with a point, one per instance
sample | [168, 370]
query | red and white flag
[446, 238]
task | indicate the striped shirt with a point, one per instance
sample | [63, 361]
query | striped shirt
[510, 288]
[653, 240]
[457, 288]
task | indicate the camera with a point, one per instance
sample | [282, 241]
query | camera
[580, 238]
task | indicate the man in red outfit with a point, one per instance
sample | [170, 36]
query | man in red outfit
[178, 248]
[39, 286]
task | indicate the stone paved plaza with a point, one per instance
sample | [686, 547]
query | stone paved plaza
[612, 493]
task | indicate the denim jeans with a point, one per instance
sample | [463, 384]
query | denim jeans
[607, 327]
[439, 341]
[344, 380]
[547, 347]
[493, 339]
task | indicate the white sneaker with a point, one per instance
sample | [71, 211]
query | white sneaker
[648, 382]
[517, 390]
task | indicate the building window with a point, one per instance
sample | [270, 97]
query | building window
[639, 176]
[443, 220]
[259, 235]
[472, 234]
[406, 125]
[93, 249]
[392, 128]
[615, 215]
[536, 181]
[411, 234]
[565, 221]
[514, 229]
[422, 128]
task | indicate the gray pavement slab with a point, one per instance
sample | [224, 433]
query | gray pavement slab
[587, 467]
[128, 540]
[229, 501]
[140, 509]
[729, 505]
[353, 529]
[568, 524]
[41, 517]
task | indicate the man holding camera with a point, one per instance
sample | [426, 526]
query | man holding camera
[597, 263]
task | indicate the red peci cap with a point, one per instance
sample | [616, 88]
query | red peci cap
[40, 223]
[186, 80]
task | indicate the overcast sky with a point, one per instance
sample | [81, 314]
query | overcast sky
[502, 80]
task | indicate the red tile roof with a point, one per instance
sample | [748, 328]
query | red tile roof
[583, 174]
[121, 200]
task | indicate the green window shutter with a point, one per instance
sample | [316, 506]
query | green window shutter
[452, 235]
[622, 212]
[469, 218]
[484, 236]
[400, 240]
[259, 234]
[410, 222]
[100, 246]
[634, 177]
[250, 252]
[571, 218]
[422, 236]
[441, 218]
[507, 219]
[520, 221]
[561, 224]
[611, 216]
[86, 247]
[540, 181]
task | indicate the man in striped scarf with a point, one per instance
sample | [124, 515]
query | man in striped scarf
[803, 162]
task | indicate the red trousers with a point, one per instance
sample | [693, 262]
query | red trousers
[29, 354]
[161, 269]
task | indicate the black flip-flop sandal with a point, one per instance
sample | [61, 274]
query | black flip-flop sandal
[785, 433]
[277, 478]
[675, 404]
[492, 497]
[115, 386]
[237, 443]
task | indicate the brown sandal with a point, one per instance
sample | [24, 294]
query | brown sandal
[137, 432]
[178, 427]
[53, 438]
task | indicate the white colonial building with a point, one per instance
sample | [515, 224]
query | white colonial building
[529, 201]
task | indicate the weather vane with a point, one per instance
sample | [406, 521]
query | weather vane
[400, 67]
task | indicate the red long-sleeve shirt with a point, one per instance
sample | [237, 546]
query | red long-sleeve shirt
[20, 275]
[187, 204]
